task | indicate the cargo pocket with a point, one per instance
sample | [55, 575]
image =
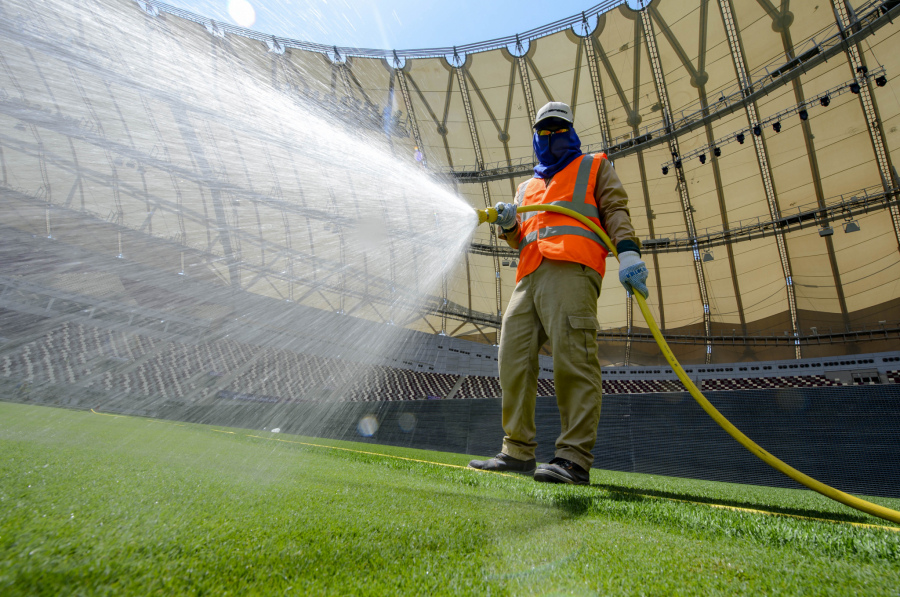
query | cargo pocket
[584, 323]
[585, 333]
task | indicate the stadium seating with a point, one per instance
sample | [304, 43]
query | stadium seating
[127, 363]
[759, 383]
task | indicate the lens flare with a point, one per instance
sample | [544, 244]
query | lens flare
[242, 12]
[407, 422]
[367, 426]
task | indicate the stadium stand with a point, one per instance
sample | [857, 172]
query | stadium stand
[801, 381]
[125, 362]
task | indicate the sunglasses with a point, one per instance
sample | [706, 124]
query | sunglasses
[546, 133]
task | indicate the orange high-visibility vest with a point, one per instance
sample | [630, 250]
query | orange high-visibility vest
[557, 236]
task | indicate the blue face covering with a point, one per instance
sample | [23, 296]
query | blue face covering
[555, 152]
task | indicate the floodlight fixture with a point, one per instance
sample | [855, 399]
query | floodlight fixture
[776, 127]
[804, 115]
[854, 88]
[665, 170]
[717, 151]
[824, 100]
[708, 256]
[881, 81]
[702, 158]
[740, 138]
[851, 226]
[678, 163]
[826, 231]
[757, 130]
[862, 70]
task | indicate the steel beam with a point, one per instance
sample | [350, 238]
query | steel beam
[870, 23]
[460, 313]
[629, 308]
[650, 217]
[698, 79]
[500, 42]
[781, 22]
[600, 104]
[407, 100]
[593, 51]
[662, 93]
[846, 20]
[526, 88]
[314, 283]
[762, 158]
[762, 341]
[479, 158]
[540, 79]
[597, 86]
[864, 201]
[502, 131]
[887, 331]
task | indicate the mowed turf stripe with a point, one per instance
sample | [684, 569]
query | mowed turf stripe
[275, 439]
[466, 468]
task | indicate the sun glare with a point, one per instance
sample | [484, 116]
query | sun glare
[242, 12]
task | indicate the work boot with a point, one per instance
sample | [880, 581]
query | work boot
[561, 470]
[504, 463]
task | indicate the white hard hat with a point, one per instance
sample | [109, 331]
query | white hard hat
[554, 110]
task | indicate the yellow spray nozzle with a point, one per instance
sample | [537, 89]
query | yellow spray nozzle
[488, 215]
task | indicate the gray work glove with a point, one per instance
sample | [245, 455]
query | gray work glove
[506, 215]
[633, 273]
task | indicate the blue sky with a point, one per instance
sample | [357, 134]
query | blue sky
[396, 24]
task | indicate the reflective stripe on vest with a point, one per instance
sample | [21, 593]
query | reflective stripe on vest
[550, 231]
[579, 202]
[521, 194]
[528, 239]
[579, 195]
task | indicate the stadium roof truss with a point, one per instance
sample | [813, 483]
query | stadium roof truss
[745, 133]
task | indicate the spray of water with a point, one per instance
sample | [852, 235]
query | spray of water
[191, 227]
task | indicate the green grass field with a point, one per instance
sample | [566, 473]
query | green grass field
[93, 504]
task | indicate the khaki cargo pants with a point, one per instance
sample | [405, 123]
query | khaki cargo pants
[558, 301]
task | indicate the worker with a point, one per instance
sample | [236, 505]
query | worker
[561, 268]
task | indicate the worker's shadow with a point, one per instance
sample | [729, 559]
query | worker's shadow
[580, 504]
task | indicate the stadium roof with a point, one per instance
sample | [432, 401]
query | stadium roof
[755, 141]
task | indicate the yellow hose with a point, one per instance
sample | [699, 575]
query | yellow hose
[490, 215]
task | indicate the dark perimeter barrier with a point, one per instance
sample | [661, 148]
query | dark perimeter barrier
[847, 437]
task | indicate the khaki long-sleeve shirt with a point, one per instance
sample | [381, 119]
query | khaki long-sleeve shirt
[612, 202]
